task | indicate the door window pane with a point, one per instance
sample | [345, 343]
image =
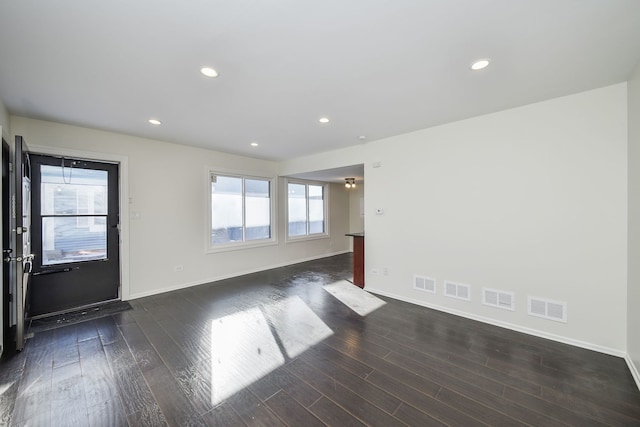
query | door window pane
[78, 192]
[226, 210]
[66, 239]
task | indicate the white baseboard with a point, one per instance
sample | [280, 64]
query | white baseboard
[634, 369]
[231, 275]
[506, 325]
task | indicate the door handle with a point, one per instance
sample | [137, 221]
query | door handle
[56, 270]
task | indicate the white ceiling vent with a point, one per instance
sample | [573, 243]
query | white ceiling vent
[547, 309]
[499, 299]
[457, 290]
[423, 283]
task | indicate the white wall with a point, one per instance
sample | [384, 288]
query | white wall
[530, 200]
[356, 217]
[168, 186]
[328, 160]
[633, 291]
[4, 121]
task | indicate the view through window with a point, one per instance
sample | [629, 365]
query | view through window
[306, 209]
[241, 209]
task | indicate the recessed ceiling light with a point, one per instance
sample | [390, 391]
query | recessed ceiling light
[254, 144]
[362, 137]
[480, 64]
[209, 72]
[323, 120]
[155, 122]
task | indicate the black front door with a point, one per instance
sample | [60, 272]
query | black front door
[75, 234]
[6, 243]
[19, 255]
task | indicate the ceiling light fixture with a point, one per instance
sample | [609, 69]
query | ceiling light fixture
[155, 122]
[350, 183]
[480, 64]
[209, 72]
[323, 120]
[254, 144]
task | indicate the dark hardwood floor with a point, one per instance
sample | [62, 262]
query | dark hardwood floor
[275, 348]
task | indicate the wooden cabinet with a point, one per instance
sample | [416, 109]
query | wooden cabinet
[358, 258]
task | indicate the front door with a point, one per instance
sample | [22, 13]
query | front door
[75, 234]
[19, 256]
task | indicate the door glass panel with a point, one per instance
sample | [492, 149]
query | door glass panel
[73, 239]
[73, 191]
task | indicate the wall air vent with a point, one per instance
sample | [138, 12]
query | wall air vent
[547, 309]
[499, 299]
[423, 283]
[457, 290]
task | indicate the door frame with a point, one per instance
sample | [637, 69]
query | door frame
[123, 191]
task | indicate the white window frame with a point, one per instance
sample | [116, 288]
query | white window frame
[325, 193]
[210, 247]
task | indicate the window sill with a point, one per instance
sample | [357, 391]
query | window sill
[307, 238]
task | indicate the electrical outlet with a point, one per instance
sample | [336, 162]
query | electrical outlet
[385, 271]
[178, 268]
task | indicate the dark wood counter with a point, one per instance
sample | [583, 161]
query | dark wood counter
[358, 258]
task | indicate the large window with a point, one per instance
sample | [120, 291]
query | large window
[241, 211]
[306, 210]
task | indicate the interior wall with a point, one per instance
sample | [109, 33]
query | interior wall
[633, 291]
[356, 212]
[4, 121]
[168, 186]
[531, 200]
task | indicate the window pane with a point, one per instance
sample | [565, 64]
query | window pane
[316, 209]
[257, 209]
[85, 193]
[297, 209]
[226, 210]
[73, 239]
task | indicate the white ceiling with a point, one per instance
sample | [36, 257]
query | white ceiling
[375, 67]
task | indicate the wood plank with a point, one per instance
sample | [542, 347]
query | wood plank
[291, 412]
[98, 382]
[223, 415]
[353, 403]
[176, 408]
[68, 403]
[139, 403]
[282, 379]
[252, 410]
[427, 404]
[332, 414]
[376, 395]
[107, 414]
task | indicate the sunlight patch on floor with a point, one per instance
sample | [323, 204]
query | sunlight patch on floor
[243, 350]
[297, 326]
[358, 300]
[249, 344]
